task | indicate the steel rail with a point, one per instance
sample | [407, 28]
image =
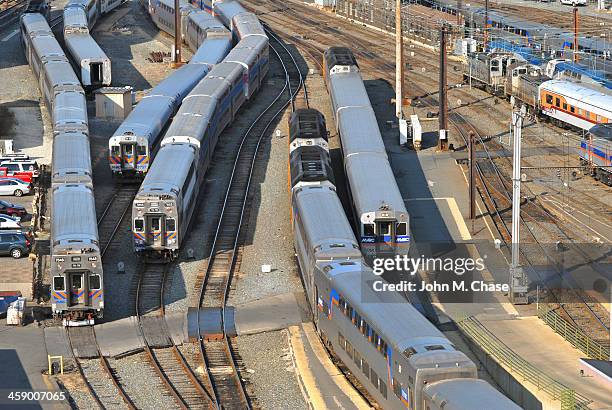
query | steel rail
[230, 355]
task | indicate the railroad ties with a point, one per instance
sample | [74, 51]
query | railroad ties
[113, 215]
[100, 378]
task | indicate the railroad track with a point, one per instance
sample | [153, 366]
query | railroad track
[163, 355]
[495, 192]
[99, 377]
[213, 284]
[113, 215]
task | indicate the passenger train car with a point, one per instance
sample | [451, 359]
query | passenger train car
[380, 212]
[596, 152]
[400, 358]
[133, 143]
[569, 104]
[90, 62]
[164, 204]
[77, 288]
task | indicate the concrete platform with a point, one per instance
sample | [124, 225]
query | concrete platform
[23, 357]
[323, 385]
[436, 194]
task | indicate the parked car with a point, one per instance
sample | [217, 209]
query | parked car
[13, 186]
[29, 167]
[14, 157]
[574, 2]
[10, 209]
[9, 222]
[15, 243]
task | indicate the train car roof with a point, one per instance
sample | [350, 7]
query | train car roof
[208, 23]
[359, 131]
[212, 50]
[348, 90]
[47, 45]
[178, 84]
[602, 131]
[85, 47]
[75, 16]
[35, 23]
[248, 24]
[467, 394]
[60, 73]
[226, 10]
[169, 169]
[365, 173]
[70, 106]
[145, 118]
[353, 280]
[71, 154]
[325, 223]
[599, 97]
[73, 214]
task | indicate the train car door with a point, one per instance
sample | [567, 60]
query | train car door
[385, 232]
[77, 288]
[155, 225]
[128, 161]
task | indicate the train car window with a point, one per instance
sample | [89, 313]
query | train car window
[409, 352]
[115, 150]
[374, 378]
[341, 340]
[362, 327]
[382, 388]
[579, 111]
[587, 114]
[557, 102]
[155, 224]
[396, 387]
[357, 359]
[139, 225]
[142, 150]
[170, 224]
[572, 109]
[384, 228]
[400, 228]
[549, 99]
[59, 283]
[368, 229]
[565, 106]
[349, 349]
[598, 118]
[94, 282]
[383, 347]
[365, 367]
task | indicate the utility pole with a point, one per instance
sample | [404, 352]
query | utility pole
[575, 53]
[443, 108]
[517, 276]
[177, 32]
[486, 26]
[471, 155]
[399, 61]
[459, 11]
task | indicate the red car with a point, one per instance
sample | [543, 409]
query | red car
[10, 209]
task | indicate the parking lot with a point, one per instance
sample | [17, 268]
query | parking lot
[16, 274]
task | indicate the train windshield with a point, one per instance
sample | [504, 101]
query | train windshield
[94, 282]
[58, 283]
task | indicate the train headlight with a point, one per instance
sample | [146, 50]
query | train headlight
[101, 305]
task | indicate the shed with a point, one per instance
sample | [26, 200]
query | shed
[114, 102]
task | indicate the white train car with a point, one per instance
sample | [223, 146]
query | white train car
[575, 104]
[92, 64]
[71, 159]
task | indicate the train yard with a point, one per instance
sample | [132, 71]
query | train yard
[238, 233]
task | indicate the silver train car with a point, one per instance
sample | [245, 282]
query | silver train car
[133, 144]
[394, 352]
[489, 70]
[71, 163]
[164, 204]
[91, 63]
[77, 292]
[381, 219]
[464, 394]
[595, 152]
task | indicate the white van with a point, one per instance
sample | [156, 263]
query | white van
[574, 2]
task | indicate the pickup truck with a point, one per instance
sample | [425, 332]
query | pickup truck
[23, 176]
